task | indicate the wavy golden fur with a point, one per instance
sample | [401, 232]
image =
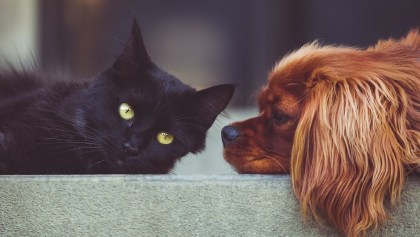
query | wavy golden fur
[354, 117]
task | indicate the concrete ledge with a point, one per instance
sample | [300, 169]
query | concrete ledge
[170, 205]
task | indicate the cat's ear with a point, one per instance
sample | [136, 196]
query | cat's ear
[134, 52]
[210, 102]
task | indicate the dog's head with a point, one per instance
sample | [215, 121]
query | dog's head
[344, 122]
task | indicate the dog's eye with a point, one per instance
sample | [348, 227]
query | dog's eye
[279, 117]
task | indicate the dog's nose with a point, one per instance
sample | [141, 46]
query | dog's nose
[229, 133]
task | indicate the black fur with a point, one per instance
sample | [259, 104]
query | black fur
[50, 126]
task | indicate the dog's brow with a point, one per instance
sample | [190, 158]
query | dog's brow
[262, 99]
[262, 91]
[292, 85]
[261, 95]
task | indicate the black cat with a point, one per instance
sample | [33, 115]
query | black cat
[133, 118]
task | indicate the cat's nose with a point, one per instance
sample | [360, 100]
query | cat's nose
[130, 148]
[229, 133]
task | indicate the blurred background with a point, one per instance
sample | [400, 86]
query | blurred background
[203, 43]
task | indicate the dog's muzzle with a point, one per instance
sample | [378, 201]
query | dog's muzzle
[229, 134]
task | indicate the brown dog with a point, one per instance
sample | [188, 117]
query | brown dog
[344, 122]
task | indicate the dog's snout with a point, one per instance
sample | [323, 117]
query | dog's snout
[229, 133]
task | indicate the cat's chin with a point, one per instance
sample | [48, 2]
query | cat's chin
[126, 163]
[137, 165]
[120, 163]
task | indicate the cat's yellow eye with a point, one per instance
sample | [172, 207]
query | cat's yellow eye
[165, 138]
[126, 112]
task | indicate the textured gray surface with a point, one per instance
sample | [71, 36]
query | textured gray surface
[169, 205]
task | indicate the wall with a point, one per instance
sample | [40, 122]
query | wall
[18, 33]
[169, 205]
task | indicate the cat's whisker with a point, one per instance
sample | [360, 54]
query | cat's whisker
[68, 120]
[95, 164]
[184, 139]
[185, 118]
[66, 151]
[196, 126]
[73, 145]
[89, 133]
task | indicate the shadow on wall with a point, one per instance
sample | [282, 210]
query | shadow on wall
[211, 42]
[202, 42]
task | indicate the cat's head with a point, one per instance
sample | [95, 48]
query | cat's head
[144, 118]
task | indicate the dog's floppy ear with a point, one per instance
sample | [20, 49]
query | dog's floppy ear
[355, 139]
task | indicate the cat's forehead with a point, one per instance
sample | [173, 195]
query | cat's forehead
[157, 98]
[148, 90]
[167, 81]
